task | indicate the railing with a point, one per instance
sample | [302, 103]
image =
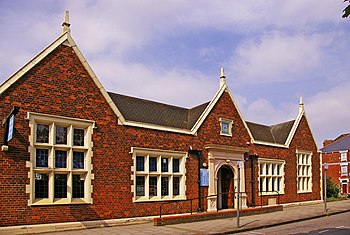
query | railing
[234, 196]
[193, 199]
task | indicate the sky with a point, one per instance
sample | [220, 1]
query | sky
[171, 51]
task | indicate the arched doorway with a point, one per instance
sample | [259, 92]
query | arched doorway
[225, 188]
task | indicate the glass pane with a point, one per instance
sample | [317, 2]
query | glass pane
[78, 160]
[140, 186]
[262, 185]
[273, 169]
[60, 186]
[60, 159]
[78, 139]
[273, 184]
[267, 169]
[261, 169]
[176, 165]
[41, 186]
[152, 186]
[165, 186]
[78, 186]
[224, 128]
[42, 156]
[152, 164]
[42, 133]
[140, 163]
[61, 135]
[267, 184]
[278, 184]
[278, 170]
[165, 165]
[176, 186]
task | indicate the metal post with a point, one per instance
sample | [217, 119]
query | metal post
[325, 187]
[238, 196]
[199, 182]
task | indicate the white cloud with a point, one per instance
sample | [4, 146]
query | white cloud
[179, 87]
[278, 57]
[328, 112]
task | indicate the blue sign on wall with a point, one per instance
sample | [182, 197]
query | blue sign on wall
[10, 132]
[204, 177]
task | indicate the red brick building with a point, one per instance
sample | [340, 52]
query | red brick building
[73, 151]
[336, 154]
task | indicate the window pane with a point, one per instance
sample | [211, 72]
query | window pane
[152, 164]
[78, 160]
[176, 165]
[152, 186]
[41, 186]
[261, 169]
[140, 186]
[224, 127]
[60, 186]
[176, 186]
[42, 156]
[165, 165]
[165, 186]
[278, 169]
[78, 186]
[267, 184]
[140, 163]
[60, 159]
[42, 133]
[262, 185]
[78, 139]
[278, 184]
[61, 135]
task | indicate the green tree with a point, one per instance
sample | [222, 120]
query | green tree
[333, 189]
[346, 10]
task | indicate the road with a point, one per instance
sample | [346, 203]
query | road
[336, 225]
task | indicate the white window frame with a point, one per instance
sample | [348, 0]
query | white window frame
[147, 153]
[304, 171]
[70, 123]
[271, 175]
[227, 122]
[343, 156]
[342, 167]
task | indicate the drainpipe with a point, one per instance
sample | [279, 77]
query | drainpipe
[252, 161]
[198, 153]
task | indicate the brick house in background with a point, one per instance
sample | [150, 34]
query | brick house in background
[336, 154]
[73, 151]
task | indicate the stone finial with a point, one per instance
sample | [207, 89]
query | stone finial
[66, 24]
[222, 77]
[301, 104]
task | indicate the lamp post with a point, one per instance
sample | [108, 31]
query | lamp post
[240, 165]
[198, 153]
[325, 165]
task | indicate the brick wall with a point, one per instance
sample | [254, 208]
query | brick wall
[59, 85]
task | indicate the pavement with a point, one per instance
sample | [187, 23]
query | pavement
[290, 214]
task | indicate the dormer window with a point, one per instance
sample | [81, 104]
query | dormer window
[226, 127]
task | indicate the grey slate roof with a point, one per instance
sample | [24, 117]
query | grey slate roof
[337, 145]
[150, 112]
[146, 111]
[277, 134]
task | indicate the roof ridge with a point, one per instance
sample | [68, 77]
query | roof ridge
[150, 101]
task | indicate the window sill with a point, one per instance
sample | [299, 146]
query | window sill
[271, 193]
[158, 199]
[226, 134]
[47, 202]
[309, 191]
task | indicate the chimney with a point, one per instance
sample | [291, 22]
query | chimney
[301, 105]
[327, 142]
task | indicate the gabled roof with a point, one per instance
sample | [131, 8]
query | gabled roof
[153, 115]
[337, 145]
[276, 134]
[146, 111]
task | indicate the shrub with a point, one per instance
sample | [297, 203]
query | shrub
[333, 189]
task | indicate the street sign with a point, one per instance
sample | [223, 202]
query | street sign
[204, 177]
[325, 166]
[240, 164]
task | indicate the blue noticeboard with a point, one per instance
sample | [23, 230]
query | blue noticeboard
[204, 177]
[11, 122]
